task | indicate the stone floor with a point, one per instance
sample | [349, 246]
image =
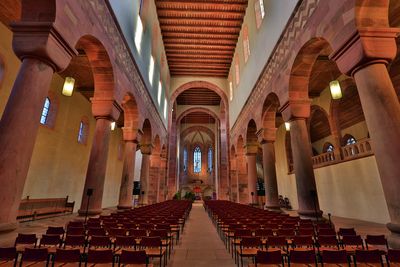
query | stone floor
[199, 244]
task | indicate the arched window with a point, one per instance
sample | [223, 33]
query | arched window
[210, 159]
[246, 43]
[185, 159]
[328, 147]
[230, 91]
[45, 111]
[350, 140]
[197, 160]
[83, 131]
[260, 12]
[237, 70]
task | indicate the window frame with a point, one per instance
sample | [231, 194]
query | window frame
[197, 159]
[45, 111]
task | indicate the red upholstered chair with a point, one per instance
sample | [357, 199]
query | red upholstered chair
[96, 231]
[25, 241]
[8, 256]
[377, 242]
[334, 258]
[99, 257]
[327, 242]
[34, 257]
[51, 242]
[303, 242]
[352, 242]
[124, 243]
[277, 243]
[393, 257]
[55, 230]
[249, 245]
[75, 242]
[368, 258]
[268, 258]
[67, 258]
[76, 231]
[346, 232]
[154, 248]
[326, 231]
[134, 258]
[300, 257]
[99, 242]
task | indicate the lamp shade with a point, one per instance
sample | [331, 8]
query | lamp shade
[113, 124]
[287, 126]
[68, 87]
[336, 91]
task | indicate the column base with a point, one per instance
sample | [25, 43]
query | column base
[272, 208]
[90, 212]
[310, 214]
[394, 237]
[8, 227]
[122, 207]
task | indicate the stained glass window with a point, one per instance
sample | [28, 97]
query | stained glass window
[197, 160]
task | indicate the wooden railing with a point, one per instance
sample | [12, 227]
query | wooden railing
[360, 149]
[31, 209]
[324, 159]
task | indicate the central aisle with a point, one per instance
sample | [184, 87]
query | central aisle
[200, 244]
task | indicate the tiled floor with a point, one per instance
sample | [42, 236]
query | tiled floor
[199, 244]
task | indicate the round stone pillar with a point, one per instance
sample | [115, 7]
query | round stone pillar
[251, 154]
[42, 51]
[128, 170]
[145, 173]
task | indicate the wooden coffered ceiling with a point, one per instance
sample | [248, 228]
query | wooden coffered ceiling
[198, 96]
[200, 36]
[198, 118]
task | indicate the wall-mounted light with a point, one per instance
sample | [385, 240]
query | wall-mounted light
[336, 91]
[287, 126]
[113, 124]
[68, 87]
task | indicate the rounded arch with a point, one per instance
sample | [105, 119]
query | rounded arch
[251, 136]
[157, 145]
[327, 147]
[201, 84]
[348, 139]
[147, 132]
[270, 108]
[192, 129]
[319, 125]
[233, 151]
[197, 109]
[240, 145]
[131, 112]
[100, 64]
[302, 66]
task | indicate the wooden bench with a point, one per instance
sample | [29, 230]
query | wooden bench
[31, 209]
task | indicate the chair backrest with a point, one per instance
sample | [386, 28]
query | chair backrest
[151, 242]
[100, 256]
[100, 241]
[334, 256]
[305, 231]
[303, 241]
[75, 240]
[368, 256]
[326, 231]
[250, 242]
[125, 241]
[276, 241]
[35, 254]
[50, 240]
[393, 255]
[113, 232]
[347, 231]
[26, 239]
[302, 256]
[67, 255]
[78, 224]
[75, 231]
[327, 241]
[352, 240]
[138, 232]
[288, 232]
[379, 240]
[133, 257]
[8, 253]
[264, 232]
[96, 231]
[242, 232]
[161, 233]
[269, 257]
[55, 230]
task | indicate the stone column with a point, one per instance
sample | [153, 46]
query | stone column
[366, 60]
[267, 139]
[41, 54]
[144, 173]
[154, 178]
[296, 112]
[251, 153]
[105, 112]
[128, 170]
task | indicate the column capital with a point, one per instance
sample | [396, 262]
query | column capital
[105, 107]
[251, 149]
[266, 135]
[366, 46]
[146, 149]
[296, 109]
[132, 134]
[44, 41]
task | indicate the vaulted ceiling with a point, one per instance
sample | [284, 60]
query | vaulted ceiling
[200, 36]
[198, 96]
[198, 118]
